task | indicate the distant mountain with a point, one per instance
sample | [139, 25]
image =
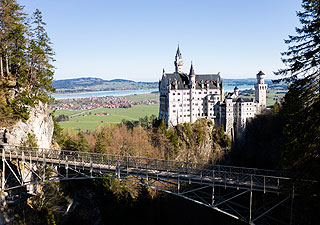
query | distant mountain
[120, 80]
[87, 84]
[243, 81]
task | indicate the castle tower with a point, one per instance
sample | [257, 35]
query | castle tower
[261, 91]
[236, 91]
[178, 63]
[192, 85]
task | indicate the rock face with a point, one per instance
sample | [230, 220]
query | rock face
[40, 125]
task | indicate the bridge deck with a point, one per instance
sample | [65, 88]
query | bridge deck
[208, 174]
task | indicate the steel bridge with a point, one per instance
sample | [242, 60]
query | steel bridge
[234, 191]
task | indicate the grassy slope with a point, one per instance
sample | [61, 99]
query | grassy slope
[90, 122]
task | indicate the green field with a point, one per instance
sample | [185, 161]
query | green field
[89, 121]
[142, 97]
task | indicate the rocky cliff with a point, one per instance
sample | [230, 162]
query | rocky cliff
[39, 126]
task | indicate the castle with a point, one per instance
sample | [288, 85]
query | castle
[188, 97]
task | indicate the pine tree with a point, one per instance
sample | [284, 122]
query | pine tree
[41, 52]
[100, 146]
[302, 102]
[26, 58]
[12, 39]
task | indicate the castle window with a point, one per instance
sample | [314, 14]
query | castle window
[174, 111]
[180, 115]
[178, 93]
[180, 105]
[173, 93]
[188, 93]
[210, 92]
[184, 93]
[174, 106]
[205, 92]
[178, 99]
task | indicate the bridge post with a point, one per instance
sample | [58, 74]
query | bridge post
[44, 166]
[3, 179]
[291, 204]
[67, 166]
[91, 168]
[213, 178]
[118, 169]
[23, 161]
[186, 167]
[128, 163]
[250, 209]
[82, 163]
[147, 175]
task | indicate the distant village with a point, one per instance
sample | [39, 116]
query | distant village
[109, 102]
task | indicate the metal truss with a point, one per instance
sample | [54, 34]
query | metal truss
[222, 188]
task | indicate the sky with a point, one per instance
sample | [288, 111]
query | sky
[136, 39]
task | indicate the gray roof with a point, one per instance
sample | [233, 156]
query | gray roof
[260, 73]
[243, 100]
[191, 70]
[182, 80]
[179, 53]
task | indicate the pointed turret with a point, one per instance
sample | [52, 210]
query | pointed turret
[178, 62]
[192, 77]
[236, 91]
[191, 70]
[178, 54]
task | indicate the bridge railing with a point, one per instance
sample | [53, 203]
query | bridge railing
[258, 178]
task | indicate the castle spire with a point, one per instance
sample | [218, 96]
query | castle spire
[178, 54]
[178, 63]
[191, 70]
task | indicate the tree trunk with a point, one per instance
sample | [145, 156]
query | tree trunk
[7, 65]
[1, 66]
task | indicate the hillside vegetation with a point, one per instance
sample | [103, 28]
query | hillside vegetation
[26, 55]
[148, 137]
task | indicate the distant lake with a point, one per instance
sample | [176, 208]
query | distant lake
[102, 94]
[128, 92]
[241, 87]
